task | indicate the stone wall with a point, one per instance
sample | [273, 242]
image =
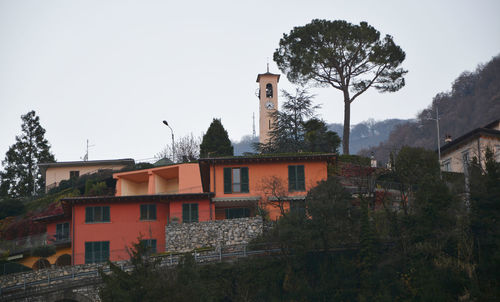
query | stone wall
[186, 237]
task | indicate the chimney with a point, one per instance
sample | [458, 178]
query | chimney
[447, 138]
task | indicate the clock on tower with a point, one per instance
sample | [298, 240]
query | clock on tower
[268, 102]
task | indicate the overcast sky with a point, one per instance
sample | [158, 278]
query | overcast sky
[111, 71]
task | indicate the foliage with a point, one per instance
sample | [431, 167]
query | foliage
[187, 149]
[216, 141]
[485, 226]
[21, 175]
[43, 251]
[11, 207]
[295, 129]
[96, 188]
[350, 58]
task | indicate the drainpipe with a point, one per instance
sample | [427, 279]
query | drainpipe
[73, 237]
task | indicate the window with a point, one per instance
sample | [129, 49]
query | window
[190, 212]
[97, 251]
[465, 157]
[447, 165]
[97, 214]
[236, 180]
[148, 212]
[149, 245]
[296, 179]
[269, 90]
[62, 231]
[74, 174]
[232, 213]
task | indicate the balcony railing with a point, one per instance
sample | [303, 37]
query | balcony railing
[24, 244]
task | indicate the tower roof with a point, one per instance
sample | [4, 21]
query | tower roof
[267, 74]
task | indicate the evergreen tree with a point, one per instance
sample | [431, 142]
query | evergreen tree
[291, 127]
[22, 176]
[485, 225]
[216, 141]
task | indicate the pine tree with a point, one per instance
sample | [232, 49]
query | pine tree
[216, 141]
[21, 175]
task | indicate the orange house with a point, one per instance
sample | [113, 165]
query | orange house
[104, 227]
[241, 184]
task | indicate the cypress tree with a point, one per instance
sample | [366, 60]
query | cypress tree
[216, 141]
[21, 175]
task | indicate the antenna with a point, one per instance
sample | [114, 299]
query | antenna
[86, 156]
[267, 64]
[253, 118]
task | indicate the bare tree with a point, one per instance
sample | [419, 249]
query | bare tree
[274, 192]
[187, 149]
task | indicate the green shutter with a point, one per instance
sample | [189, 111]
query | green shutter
[89, 214]
[143, 212]
[105, 251]
[185, 212]
[244, 180]
[105, 213]
[292, 179]
[194, 212]
[227, 180]
[301, 182]
[153, 211]
[88, 252]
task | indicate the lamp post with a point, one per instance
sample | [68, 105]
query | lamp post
[173, 144]
[438, 139]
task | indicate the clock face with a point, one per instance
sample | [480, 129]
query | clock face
[269, 105]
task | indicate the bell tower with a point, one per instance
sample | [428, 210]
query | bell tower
[268, 102]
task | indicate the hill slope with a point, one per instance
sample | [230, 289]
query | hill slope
[474, 101]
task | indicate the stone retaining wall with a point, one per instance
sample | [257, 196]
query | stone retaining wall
[186, 237]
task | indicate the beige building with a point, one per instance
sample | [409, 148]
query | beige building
[54, 173]
[456, 153]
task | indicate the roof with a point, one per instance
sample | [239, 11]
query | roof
[492, 124]
[267, 74]
[136, 198]
[123, 161]
[261, 158]
[478, 132]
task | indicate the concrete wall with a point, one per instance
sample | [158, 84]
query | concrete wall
[189, 236]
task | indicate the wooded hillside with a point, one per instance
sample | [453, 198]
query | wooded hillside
[472, 102]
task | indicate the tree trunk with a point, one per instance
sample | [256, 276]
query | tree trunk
[347, 126]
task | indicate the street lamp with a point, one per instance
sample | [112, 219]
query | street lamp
[438, 139]
[173, 144]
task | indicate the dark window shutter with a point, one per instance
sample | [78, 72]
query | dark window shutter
[227, 180]
[153, 212]
[143, 211]
[89, 214]
[292, 179]
[88, 252]
[105, 251]
[194, 212]
[301, 182]
[153, 246]
[185, 212]
[244, 180]
[105, 213]
[247, 212]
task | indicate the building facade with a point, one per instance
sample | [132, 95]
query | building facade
[456, 154]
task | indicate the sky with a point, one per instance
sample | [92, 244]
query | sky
[112, 71]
